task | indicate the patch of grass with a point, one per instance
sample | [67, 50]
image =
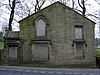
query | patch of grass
[1, 45]
[97, 52]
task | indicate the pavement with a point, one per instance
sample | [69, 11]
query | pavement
[44, 68]
[17, 70]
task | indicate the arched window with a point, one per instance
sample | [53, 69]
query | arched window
[40, 27]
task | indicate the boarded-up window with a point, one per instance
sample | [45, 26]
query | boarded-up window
[40, 27]
[79, 50]
[40, 52]
[78, 32]
[12, 52]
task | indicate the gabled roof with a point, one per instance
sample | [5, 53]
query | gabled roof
[55, 4]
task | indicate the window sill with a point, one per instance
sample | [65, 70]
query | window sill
[80, 41]
[41, 41]
[41, 38]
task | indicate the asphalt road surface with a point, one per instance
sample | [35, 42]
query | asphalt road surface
[46, 71]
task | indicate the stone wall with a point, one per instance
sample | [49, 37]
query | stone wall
[61, 21]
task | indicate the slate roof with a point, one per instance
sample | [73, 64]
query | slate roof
[12, 34]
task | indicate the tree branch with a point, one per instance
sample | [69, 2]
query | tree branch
[10, 4]
[12, 15]
[93, 16]
[41, 4]
[80, 4]
[97, 2]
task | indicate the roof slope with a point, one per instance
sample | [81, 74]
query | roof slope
[54, 5]
[12, 34]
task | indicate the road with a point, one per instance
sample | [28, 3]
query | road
[46, 71]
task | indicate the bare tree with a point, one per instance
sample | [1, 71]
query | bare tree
[18, 9]
[22, 8]
[4, 27]
[28, 7]
[12, 6]
[62, 1]
[65, 2]
[97, 1]
[39, 4]
[74, 4]
[82, 5]
[52, 1]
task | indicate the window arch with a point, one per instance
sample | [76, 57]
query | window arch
[40, 27]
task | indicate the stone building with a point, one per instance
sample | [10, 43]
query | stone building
[1, 50]
[11, 48]
[56, 35]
